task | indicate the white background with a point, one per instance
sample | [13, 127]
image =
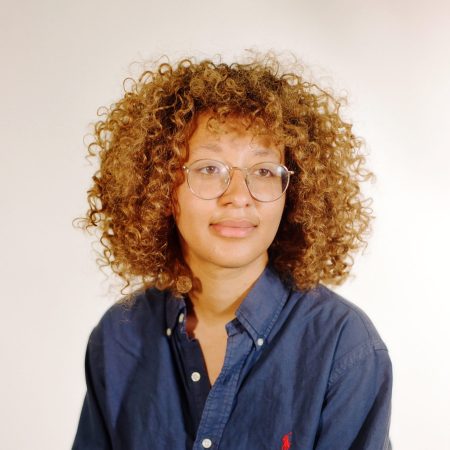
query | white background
[61, 60]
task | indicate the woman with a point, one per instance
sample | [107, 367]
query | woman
[228, 194]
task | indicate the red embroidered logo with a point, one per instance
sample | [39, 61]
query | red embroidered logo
[286, 441]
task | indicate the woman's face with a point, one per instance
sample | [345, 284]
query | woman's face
[234, 230]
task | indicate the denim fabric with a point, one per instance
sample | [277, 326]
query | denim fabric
[302, 370]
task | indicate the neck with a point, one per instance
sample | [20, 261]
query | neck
[222, 291]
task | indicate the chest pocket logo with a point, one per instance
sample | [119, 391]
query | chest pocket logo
[286, 441]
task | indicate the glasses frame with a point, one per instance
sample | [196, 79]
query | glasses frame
[230, 170]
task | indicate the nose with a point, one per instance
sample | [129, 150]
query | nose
[237, 192]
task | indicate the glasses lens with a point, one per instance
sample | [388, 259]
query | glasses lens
[267, 181]
[207, 178]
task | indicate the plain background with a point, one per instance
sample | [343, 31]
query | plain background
[61, 60]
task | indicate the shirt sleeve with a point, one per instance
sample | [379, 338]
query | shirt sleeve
[92, 433]
[357, 406]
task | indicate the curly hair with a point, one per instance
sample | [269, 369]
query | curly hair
[141, 145]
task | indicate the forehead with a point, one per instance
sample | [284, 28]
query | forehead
[210, 134]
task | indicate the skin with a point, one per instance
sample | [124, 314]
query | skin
[225, 240]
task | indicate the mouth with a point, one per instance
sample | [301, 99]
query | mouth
[233, 229]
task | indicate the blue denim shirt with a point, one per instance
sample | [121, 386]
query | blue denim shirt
[302, 370]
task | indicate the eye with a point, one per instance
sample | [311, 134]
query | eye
[209, 170]
[263, 172]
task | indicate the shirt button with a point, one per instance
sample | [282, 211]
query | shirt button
[180, 318]
[168, 331]
[206, 443]
[195, 376]
[260, 342]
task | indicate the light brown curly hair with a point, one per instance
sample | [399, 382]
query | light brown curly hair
[141, 145]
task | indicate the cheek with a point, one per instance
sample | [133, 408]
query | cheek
[273, 216]
[192, 213]
[182, 199]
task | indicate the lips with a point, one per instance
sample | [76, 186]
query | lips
[233, 228]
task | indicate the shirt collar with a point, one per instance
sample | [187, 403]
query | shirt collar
[258, 311]
[174, 306]
[261, 307]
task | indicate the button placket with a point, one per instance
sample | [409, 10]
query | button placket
[219, 403]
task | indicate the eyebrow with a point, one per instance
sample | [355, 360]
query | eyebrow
[266, 152]
[218, 149]
[212, 146]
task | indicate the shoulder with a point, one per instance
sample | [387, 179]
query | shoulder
[129, 323]
[339, 329]
[346, 316]
[334, 314]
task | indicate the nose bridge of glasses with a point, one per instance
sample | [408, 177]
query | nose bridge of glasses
[234, 185]
[243, 170]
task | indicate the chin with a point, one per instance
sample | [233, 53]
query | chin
[234, 260]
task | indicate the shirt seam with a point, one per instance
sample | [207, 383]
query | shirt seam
[355, 358]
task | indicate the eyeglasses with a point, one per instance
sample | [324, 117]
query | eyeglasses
[209, 179]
